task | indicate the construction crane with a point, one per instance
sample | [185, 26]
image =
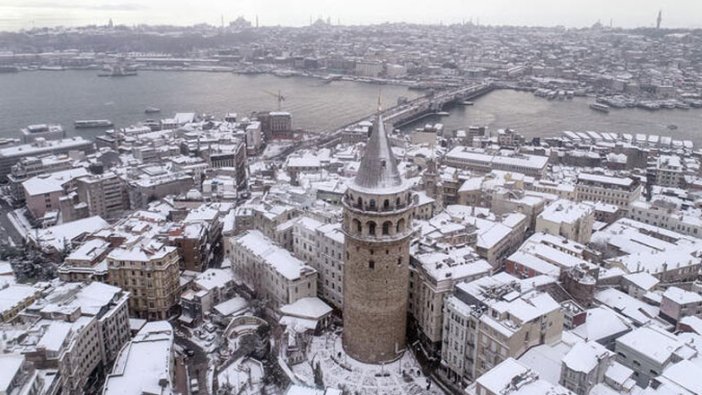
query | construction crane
[279, 97]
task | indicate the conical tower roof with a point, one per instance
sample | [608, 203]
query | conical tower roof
[378, 171]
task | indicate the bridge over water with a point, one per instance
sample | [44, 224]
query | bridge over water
[400, 114]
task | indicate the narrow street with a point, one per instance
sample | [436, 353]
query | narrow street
[196, 365]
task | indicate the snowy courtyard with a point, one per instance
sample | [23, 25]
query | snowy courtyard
[342, 371]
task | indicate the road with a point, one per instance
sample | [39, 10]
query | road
[7, 230]
[196, 365]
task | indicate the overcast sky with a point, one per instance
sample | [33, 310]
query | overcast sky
[19, 14]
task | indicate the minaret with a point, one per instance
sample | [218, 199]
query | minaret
[659, 19]
[378, 212]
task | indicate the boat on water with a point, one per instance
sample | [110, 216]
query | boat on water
[117, 71]
[92, 123]
[672, 126]
[600, 107]
[467, 103]
[152, 110]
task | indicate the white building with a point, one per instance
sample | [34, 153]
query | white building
[271, 271]
[145, 365]
[568, 219]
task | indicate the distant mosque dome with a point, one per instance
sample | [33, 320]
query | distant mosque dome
[193, 194]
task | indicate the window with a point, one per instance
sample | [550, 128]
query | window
[386, 204]
[357, 225]
[371, 265]
[372, 203]
[400, 226]
[371, 227]
[360, 202]
[386, 227]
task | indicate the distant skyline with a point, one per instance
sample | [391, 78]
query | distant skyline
[25, 14]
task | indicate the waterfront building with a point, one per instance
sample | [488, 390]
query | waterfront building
[9, 156]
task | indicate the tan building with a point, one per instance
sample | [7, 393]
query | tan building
[434, 272]
[73, 330]
[568, 219]
[106, 195]
[150, 273]
[330, 263]
[378, 213]
[619, 191]
[492, 319]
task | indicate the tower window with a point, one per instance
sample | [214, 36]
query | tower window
[400, 225]
[372, 203]
[360, 202]
[399, 261]
[386, 227]
[386, 204]
[357, 225]
[371, 227]
[371, 265]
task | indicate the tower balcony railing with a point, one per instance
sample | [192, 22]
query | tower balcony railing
[375, 208]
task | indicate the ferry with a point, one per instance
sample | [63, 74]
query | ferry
[117, 71]
[467, 103]
[600, 107]
[92, 123]
[152, 110]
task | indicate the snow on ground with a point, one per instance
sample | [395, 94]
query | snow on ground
[358, 377]
[243, 375]
[274, 149]
[19, 221]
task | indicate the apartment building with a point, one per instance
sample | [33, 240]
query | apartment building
[480, 161]
[150, 273]
[568, 219]
[73, 330]
[145, 365]
[330, 263]
[270, 271]
[649, 350]
[619, 191]
[434, 272]
[492, 319]
[106, 194]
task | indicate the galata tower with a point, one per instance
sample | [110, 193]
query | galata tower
[378, 212]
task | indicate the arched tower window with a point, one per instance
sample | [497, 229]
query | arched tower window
[386, 204]
[360, 202]
[398, 202]
[371, 265]
[372, 204]
[400, 225]
[357, 225]
[386, 227]
[371, 227]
